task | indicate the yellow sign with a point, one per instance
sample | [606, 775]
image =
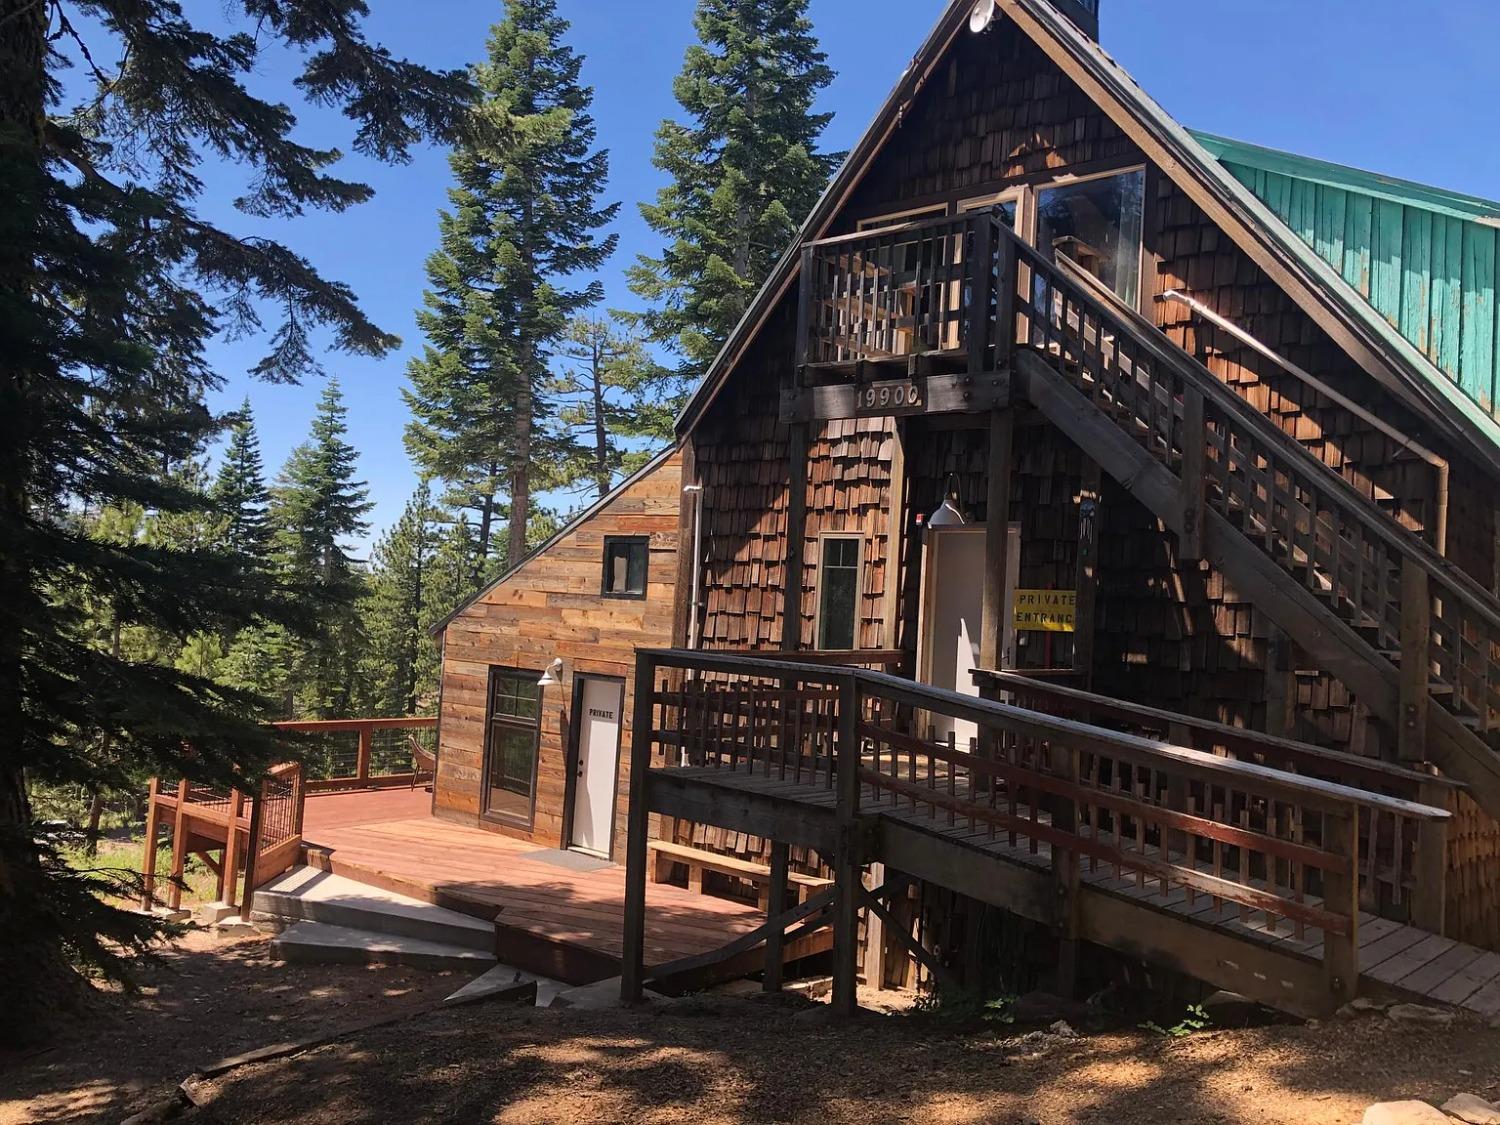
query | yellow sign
[1046, 611]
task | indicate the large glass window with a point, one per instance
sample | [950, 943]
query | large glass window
[838, 592]
[511, 744]
[1098, 224]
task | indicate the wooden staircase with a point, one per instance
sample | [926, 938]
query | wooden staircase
[1415, 639]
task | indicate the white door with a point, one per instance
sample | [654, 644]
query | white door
[598, 764]
[952, 609]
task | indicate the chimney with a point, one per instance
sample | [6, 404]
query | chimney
[1084, 13]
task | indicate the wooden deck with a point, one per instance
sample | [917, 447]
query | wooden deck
[548, 918]
[1396, 961]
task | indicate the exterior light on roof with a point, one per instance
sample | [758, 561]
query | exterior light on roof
[982, 15]
[949, 514]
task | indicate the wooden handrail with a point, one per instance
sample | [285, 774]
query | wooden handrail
[1233, 738]
[1318, 528]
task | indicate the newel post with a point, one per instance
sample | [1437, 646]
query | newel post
[848, 859]
[252, 846]
[638, 820]
[982, 278]
[1341, 899]
[1007, 278]
[366, 742]
[1429, 903]
[1416, 660]
[153, 828]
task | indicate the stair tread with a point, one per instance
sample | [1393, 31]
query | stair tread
[324, 935]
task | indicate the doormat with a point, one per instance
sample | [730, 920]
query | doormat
[573, 861]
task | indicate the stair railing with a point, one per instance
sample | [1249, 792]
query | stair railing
[1387, 582]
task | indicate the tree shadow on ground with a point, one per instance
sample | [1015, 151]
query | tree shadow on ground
[754, 1060]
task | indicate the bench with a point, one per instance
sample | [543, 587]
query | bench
[667, 855]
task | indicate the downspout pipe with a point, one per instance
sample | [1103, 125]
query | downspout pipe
[696, 491]
[1411, 445]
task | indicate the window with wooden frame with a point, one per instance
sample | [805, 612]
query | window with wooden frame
[1099, 222]
[512, 743]
[626, 562]
[840, 569]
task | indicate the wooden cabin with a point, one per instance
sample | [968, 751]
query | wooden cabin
[1088, 519]
[545, 762]
[1194, 437]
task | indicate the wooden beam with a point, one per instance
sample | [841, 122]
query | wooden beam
[638, 831]
[148, 861]
[1194, 455]
[939, 394]
[682, 590]
[1281, 684]
[895, 538]
[1341, 896]
[771, 818]
[875, 936]
[997, 529]
[179, 845]
[889, 922]
[775, 908]
[806, 916]
[1429, 902]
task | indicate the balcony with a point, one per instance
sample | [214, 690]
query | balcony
[902, 320]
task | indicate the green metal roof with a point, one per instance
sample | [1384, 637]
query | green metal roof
[1426, 260]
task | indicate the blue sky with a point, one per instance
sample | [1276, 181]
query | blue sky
[1406, 90]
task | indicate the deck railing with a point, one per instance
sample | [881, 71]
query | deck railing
[913, 289]
[365, 753]
[1278, 849]
[1403, 862]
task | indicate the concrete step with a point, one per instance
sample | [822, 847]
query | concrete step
[503, 978]
[306, 894]
[319, 943]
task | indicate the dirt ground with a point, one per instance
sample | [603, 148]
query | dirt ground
[207, 997]
[754, 1060]
[721, 1059]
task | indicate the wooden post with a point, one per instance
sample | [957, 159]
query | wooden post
[148, 861]
[1065, 877]
[876, 939]
[179, 847]
[252, 848]
[1416, 661]
[1194, 458]
[1429, 904]
[1006, 279]
[982, 277]
[1281, 686]
[1341, 897]
[1087, 581]
[997, 529]
[230, 876]
[366, 740]
[847, 859]
[775, 908]
[638, 819]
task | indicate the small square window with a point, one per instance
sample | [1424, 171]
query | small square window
[625, 562]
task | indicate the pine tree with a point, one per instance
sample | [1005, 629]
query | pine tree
[611, 391]
[401, 577]
[239, 493]
[316, 508]
[111, 283]
[524, 220]
[745, 172]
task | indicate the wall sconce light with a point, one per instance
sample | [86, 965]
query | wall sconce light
[550, 678]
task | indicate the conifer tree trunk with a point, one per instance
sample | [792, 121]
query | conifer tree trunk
[601, 428]
[23, 31]
[520, 489]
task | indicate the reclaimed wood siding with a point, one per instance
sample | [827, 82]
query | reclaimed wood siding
[1431, 276]
[552, 607]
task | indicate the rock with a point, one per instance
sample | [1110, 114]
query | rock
[1404, 1113]
[1475, 1110]
[1370, 1004]
[1230, 1009]
[1063, 1030]
[1045, 1008]
[814, 988]
[1419, 1013]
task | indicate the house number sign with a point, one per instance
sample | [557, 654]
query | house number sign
[890, 398]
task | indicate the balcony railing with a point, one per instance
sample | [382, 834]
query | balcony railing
[917, 291]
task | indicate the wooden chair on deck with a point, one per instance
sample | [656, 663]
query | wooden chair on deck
[423, 762]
